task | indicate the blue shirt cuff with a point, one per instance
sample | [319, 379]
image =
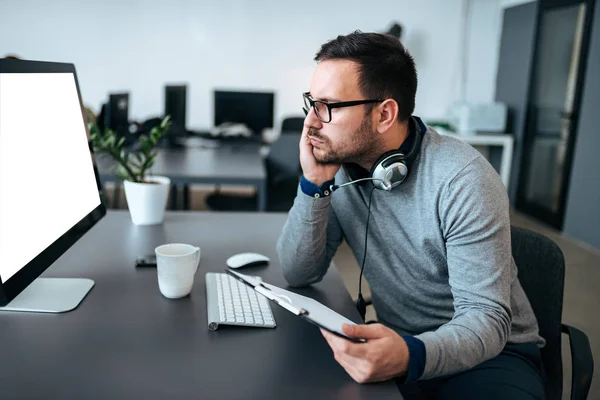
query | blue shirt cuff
[416, 361]
[312, 190]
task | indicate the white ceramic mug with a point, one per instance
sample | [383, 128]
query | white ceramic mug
[176, 264]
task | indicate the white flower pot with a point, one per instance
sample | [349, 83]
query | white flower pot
[147, 201]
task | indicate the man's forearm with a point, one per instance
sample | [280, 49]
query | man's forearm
[304, 248]
[463, 343]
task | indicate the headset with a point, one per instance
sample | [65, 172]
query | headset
[392, 167]
[388, 171]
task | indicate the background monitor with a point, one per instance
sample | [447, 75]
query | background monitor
[50, 192]
[117, 113]
[254, 109]
[175, 104]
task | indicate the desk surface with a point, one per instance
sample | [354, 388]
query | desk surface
[126, 340]
[224, 164]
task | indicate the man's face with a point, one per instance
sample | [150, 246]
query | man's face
[350, 136]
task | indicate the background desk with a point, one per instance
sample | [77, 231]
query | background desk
[126, 340]
[227, 164]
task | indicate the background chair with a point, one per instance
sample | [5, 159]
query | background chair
[292, 125]
[542, 274]
[541, 271]
[283, 174]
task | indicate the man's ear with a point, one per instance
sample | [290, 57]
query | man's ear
[386, 115]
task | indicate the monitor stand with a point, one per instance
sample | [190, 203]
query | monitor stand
[51, 295]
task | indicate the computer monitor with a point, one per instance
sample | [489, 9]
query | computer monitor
[117, 113]
[175, 104]
[254, 109]
[50, 192]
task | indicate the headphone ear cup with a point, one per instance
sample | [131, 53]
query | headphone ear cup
[396, 173]
[389, 171]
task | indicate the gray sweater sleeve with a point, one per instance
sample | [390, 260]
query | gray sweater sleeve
[310, 238]
[473, 210]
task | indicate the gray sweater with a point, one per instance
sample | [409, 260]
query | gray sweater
[439, 257]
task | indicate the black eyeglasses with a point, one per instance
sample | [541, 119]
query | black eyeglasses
[323, 109]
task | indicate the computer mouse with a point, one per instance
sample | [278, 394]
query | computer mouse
[247, 260]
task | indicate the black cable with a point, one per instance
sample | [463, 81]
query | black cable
[360, 303]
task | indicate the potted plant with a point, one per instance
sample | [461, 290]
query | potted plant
[146, 194]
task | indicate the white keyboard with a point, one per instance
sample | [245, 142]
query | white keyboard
[232, 302]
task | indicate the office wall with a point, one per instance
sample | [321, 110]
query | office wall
[483, 41]
[139, 45]
[582, 217]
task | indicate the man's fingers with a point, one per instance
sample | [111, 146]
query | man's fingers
[304, 137]
[341, 345]
[350, 365]
[357, 368]
[365, 331]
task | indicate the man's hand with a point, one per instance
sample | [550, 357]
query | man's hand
[382, 357]
[312, 170]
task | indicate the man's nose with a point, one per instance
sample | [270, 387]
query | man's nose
[311, 120]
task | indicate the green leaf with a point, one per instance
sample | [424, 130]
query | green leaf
[122, 176]
[150, 161]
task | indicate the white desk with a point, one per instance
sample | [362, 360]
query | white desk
[503, 140]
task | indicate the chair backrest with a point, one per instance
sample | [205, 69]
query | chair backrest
[292, 125]
[283, 172]
[284, 155]
[541, 266]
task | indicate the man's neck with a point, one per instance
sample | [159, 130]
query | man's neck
[390, 140]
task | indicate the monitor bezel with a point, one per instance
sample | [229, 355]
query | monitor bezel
[28, 273]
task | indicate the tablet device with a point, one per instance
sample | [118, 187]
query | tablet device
[305, 307]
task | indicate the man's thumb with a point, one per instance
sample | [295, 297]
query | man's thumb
[364, 331]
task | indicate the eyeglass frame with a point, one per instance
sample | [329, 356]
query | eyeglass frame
[341, 104]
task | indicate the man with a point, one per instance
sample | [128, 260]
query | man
[455, 322]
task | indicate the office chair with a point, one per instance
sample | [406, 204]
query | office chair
[292, 125]
[542, 274]
[283, 174]
[541, 271]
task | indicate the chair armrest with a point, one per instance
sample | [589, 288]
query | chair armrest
[582, 362]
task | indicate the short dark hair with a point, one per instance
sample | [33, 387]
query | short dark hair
[386, 68]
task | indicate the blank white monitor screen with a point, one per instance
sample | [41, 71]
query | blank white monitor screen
[47, 180]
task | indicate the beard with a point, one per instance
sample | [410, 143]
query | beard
[356, 147]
